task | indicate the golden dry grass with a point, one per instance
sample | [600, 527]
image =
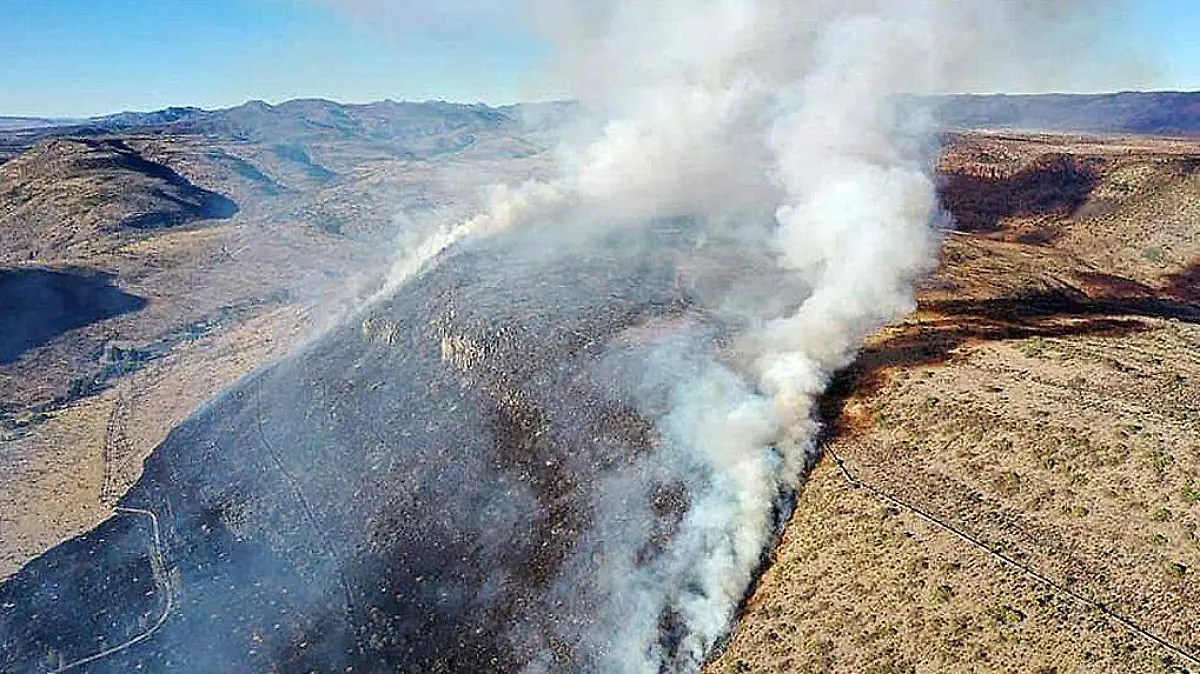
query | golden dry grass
[69, 472]
[1045, 401]
[1045, 404]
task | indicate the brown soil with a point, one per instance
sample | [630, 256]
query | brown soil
[1011, 477]
[194, 306]
[1019, 488]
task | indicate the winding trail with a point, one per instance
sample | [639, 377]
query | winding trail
[158, 568]
[116, 451]
[1128, 624]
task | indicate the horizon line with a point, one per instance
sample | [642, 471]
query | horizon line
[546, 101]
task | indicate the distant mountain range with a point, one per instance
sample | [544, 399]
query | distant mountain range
[1146, 113]
[25, 123]
[301, 118]
[295, 129]
[1156, 113]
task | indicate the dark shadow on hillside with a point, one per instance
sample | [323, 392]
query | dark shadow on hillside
[1035, 308]
[1049, 314]
[1055, 184]
[1185, 285]
[191, 201]
[37, 305]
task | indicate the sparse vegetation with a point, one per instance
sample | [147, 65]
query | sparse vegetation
[218, 294]
[1040, 406]
[1051, 416]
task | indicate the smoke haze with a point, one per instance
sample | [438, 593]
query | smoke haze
[774, 126]
[562, 434]
[774, 123]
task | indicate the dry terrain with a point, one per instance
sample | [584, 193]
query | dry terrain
[1011, 477]
[127, 301]
[1010, 480]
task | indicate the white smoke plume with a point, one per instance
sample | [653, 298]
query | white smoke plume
[752, 111]
[744, 109]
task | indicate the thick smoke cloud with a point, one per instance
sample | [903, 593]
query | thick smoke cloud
[775, 124]
[740, 112]
[729, 108]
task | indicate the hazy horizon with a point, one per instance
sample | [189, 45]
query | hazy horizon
[4, 114]
[74, 59]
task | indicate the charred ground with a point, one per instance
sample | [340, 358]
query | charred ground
[1044, 399]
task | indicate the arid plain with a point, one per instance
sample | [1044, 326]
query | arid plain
[1010, 478]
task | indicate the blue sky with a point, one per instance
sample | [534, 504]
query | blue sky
[84, 57]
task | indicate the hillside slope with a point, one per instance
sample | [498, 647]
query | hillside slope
[1016, 464]
[126, 328]
[1011, 480]
[69, 194]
